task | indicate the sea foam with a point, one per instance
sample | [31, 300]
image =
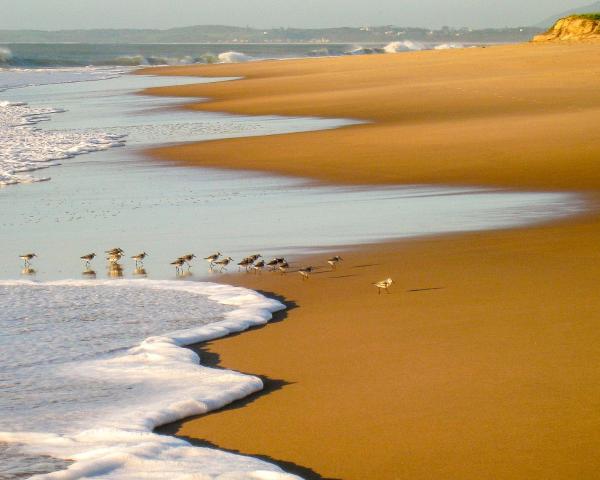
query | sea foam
[160, 382]
[27, 148]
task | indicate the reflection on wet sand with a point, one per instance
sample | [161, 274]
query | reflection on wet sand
[89, 273]
[184, 274]
[140, 272]
[115, 270]
[28, 271]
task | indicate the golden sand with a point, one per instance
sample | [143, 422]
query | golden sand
[483, 361]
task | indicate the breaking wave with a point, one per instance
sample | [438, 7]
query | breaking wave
[404, 46]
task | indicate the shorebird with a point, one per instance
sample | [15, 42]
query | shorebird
[223, 263]
[333, 261]
[383, 285]
[246, 263]
[27, 257]
[139, 258]
[211, 259]
[188, 258]
[178, 264]
[114, 251]
[114, 257]
[258, 266]
[275, 262]
[283, 267]
[88, 258]
[305, 272]
[255, 257]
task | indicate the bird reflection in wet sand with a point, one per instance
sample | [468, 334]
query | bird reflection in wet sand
[184, 273]
[115, 270]
[140, 272]
[28, 271]
[89, 273]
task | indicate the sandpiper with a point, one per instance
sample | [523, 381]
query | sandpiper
[223, 263]
[283, 267]
[246, 263]
[258, 266]
[114, 251]
[211, 259]
[305, 272]
[333, 261]
[27, 257]
[255, 257]
[139, 258]
[114, 257]
[383, 285]
[88, 258]
[178, 264]
[275, 262]
[188, 258]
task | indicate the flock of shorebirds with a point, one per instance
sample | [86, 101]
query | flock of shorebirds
[252, 263]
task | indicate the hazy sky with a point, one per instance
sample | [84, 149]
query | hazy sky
[59, 14]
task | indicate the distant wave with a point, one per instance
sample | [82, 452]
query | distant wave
[234, 57]
[5, 55]
[365, 51]
[447, 46]
[404, 46]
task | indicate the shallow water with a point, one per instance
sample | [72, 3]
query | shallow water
[117, 198]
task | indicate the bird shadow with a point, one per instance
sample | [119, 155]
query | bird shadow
[414, 290]
[366, 265]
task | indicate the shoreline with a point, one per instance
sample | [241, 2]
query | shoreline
[493, 371]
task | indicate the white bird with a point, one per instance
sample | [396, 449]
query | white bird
[27, 257]
[333, 261]
[383, 285]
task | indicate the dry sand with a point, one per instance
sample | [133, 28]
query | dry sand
[483, 361]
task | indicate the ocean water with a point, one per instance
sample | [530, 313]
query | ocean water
[91, 364]
[36, 56]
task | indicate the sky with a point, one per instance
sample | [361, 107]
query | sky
[69, 14]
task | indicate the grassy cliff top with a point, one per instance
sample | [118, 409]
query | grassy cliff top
[588, 16]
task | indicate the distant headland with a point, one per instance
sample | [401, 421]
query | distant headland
[583, 27]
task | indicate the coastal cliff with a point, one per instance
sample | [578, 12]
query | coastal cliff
[573, 28]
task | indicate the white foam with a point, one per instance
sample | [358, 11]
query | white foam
[448, 46]
[404, 46]
[234, 57]
[170, 384]
[26, 148]
[17, 77]
[5, 55]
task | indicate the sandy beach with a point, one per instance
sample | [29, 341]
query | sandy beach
[482, 362]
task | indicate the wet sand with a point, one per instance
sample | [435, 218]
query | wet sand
[482, 362]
